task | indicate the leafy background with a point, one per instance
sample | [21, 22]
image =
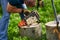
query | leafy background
[46, 15]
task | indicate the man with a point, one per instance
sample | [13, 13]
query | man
[19, 7]
[5, 18]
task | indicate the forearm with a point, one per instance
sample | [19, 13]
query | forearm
[13, 9]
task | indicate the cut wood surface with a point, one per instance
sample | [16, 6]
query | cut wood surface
[33, 31]
[52, 32]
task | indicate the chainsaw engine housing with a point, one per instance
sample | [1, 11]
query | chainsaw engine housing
[32, 17]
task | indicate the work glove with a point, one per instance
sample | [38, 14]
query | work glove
[27, 12]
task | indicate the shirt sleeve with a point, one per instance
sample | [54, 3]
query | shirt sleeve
[16, 2]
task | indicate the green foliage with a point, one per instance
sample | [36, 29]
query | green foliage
[46, 15]
[0, 12]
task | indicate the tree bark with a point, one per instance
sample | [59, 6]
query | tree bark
[52, 32]
[32, 31]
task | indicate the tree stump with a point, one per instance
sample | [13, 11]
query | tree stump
[33, 31]
[52, 32]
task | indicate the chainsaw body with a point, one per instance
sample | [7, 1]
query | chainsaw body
[32, 18]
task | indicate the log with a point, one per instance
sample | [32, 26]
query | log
[33, 31]
[52, 32]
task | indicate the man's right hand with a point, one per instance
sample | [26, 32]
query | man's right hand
[27, 11]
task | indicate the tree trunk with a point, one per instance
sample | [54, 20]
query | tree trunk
[33, 31]
[52, 32]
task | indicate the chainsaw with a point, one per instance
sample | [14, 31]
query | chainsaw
[32, 17]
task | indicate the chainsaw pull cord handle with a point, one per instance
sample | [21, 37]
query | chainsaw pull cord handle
[55, 13]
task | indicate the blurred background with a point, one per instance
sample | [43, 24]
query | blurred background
[46, 14]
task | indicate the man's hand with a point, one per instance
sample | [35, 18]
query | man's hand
[27, 11]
